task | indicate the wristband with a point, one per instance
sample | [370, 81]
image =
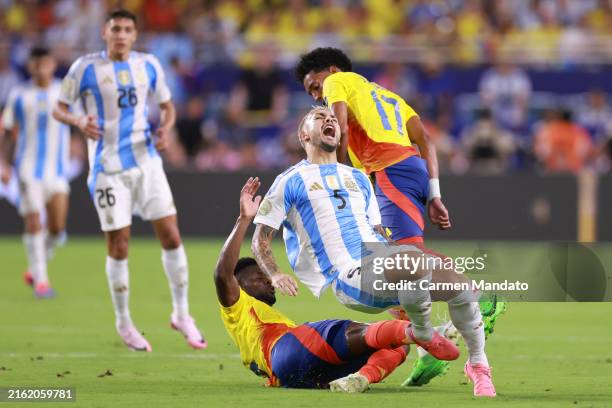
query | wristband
[434, 189]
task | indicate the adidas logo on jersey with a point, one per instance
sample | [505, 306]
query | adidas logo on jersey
[315, 186]
[107, 81]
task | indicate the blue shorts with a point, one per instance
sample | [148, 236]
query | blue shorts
[401, 192]
[313, 354]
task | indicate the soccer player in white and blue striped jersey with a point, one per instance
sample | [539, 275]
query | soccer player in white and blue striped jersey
[38, 146]
[126, 174]
[327, 211]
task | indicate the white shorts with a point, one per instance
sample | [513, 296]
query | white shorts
[356, 287]
[142, 191]
[34, 194]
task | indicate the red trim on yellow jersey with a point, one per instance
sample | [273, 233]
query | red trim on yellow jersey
[375, 156]
[270, 333]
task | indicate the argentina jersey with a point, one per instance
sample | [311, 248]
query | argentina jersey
[326, 211]
[116, 93]
[43, 143]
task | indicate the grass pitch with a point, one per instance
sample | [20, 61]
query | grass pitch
[542, 354]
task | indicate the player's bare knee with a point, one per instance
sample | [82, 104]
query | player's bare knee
[170, 239]
[32, 224]
[118, 246]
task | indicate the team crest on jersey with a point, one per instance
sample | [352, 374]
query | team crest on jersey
[124, 77]
[350, 185]
[265, 207]
[315, 186]
[68, 86]
[107, 81]
[332, 182]
[141, 76]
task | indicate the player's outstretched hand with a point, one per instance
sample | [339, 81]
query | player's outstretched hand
[88, 124]
[249, 203]
[285, 284]
[161, 140]
[438, 214]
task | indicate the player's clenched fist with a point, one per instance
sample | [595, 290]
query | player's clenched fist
[88, 124]
[161, 140]
[285, 284]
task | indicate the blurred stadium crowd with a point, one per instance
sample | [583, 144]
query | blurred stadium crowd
[507, 85]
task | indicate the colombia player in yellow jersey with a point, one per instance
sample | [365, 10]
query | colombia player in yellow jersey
[346, 356]
[379, 131]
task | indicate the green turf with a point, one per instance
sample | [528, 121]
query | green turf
[543, 354]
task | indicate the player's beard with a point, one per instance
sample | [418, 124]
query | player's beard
[269, 299]
[329, 148]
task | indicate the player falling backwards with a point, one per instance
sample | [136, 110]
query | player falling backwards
[379, 131]
[346, 356]
[126, 173]
[327, 211]
[38, 146]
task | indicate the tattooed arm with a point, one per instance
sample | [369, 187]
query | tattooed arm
[261, 247]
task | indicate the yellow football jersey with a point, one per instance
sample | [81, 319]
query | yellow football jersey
[255, 327]
[376, 119]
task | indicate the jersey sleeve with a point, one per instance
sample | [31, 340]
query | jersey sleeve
[408, 113]
[272, 211]
[335, 89]
[231, 314]
[69, 91]
[8, 114]
[157, 78]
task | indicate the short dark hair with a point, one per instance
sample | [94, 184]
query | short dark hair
[120, 13]
[322, 58]
[39, 51]
[242, 264]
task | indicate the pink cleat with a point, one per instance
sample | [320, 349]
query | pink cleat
[480, 375]
[27, 278]
[188, 328]
[439, 346]
[43, 291]
[133, 339]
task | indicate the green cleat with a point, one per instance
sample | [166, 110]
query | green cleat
[491, 307]
[425, 369]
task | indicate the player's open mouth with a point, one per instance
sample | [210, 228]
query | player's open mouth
[329, 130]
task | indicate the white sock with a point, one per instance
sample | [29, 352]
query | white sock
[119, 284]
[417, 304]
[37, 262]
[467, 319]
[52, 241]
[175, 266]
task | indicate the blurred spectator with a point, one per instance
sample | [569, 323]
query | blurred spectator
[488, 147]
[161, 15]
[506, 89]
[258, 102]
[399, 79]
[190, 127]
[595, 115]
[8, 76]
[562, 145]
[435, 86]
